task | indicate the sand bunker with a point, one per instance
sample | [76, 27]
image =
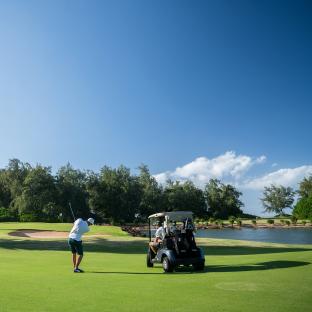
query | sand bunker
[39, 234]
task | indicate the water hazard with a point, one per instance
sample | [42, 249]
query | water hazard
[269, 235]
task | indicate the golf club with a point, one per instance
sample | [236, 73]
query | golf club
[72, 212]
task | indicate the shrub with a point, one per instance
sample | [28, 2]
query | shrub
[270, 221]
[294, 219]
[28, 217]
[6, 215]
[211, 220]
[287, 222]
[282, 221]
[231, 220]
[304, 222]
[239, 222]
[254, 222]
[303, 208]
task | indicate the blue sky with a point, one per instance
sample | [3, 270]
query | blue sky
[163, 83]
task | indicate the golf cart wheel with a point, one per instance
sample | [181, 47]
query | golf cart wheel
[199, 266]
[167, 265]
[149, 262]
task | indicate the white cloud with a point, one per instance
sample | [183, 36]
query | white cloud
[228, 165]
[261, 159]
[235, 169]
[162, 177]
[285, 177]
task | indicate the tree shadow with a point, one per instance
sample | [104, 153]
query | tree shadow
[105, 245]
[124, 273]
[177, 271]
[269, 265]
[248, 250]
[95, 245]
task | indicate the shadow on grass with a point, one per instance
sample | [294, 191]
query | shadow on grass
[94, 245]
[248, 250]
[279, 264]
[124, 273]
[178, 271]
[100, 244]
[220, 268]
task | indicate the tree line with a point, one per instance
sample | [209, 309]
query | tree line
[114, 195]
[33, 193]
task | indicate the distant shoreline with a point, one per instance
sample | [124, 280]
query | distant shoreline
[140, 230]
[258, 226]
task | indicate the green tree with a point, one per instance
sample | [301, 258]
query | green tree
[150, 193]
[115, 194]
[223, 199]
[38, 200]
[305, 187]
[303, 208]
[213, 196]
[16, 172]
[95, 190]
[5, 194]
[184, 196]
[12, 179]
[277, 198]
[71, 186]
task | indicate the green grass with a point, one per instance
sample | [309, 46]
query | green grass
[36, 275]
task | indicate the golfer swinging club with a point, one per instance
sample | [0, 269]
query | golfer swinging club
[75, 243]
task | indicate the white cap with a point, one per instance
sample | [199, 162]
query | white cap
[91, 220]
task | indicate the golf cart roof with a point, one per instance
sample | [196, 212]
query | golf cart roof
[173, 215]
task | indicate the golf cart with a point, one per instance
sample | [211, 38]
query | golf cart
[178, 247]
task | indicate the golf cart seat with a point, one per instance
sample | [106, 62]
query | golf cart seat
[169, 242]
[191, 239]
[184, 242]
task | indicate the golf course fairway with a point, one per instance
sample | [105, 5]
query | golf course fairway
[36, 275]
